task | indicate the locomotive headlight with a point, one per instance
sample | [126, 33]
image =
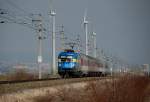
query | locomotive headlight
[69, 56]
[74, 60]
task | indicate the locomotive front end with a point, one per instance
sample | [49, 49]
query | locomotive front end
[67, 62]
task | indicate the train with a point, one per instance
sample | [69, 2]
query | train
[75, 64]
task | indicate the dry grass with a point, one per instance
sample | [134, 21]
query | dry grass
[124, 89]
[3, 77]
[9, 88]
[20, 74]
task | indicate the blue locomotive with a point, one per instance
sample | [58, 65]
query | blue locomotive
[74, 64]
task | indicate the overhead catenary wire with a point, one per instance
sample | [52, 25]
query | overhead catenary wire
[10, 20]
[10, 17]
[29, 15]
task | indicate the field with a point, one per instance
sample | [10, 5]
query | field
[127, 88]
[124, 89]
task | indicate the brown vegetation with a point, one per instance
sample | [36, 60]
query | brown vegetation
[123, 89]
[20, 74]
[3, 77]
[9, 88]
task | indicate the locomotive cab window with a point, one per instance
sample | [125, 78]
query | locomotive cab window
[66, 59]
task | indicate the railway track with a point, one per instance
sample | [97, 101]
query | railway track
[15, 86]
[47, 79]
[24, 81]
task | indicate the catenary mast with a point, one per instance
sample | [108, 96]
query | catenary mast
[53, 15]
[85, 22]
[38, 24]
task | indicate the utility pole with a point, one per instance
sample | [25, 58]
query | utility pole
[78, 43]
[53, 14]
[85, 22]
[111, 65]
[95, 48]
[38, 24]
[62, 37]
[86, 36]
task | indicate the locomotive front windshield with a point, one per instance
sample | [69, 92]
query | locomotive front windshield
[66, 59]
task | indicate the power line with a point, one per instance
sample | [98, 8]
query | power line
[18, 8]
[10, 17]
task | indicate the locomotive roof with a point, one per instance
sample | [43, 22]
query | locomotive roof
[68, 54]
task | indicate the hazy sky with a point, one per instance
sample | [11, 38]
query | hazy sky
[122, 27]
